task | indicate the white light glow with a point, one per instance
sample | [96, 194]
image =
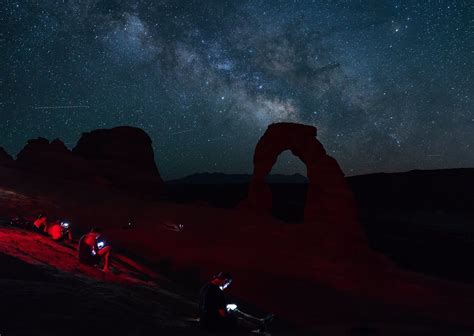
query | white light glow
[231, 306]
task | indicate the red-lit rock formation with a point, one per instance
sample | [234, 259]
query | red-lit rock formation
[52, 159]
[124, 155]
[121, 157]
[330, 204]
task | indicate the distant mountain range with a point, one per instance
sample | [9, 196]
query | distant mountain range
[448, 190]
[221, 178]
[462, 174]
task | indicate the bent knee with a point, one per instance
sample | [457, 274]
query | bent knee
[105, 250]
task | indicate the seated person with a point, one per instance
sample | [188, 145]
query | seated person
[216, 315]
[39, 224]
[92, 249]
[58, 230]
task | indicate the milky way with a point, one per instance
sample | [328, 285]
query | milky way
[388, 84]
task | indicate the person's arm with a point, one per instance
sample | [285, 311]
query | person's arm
[79, 244]
[96, 246]
[222, 304]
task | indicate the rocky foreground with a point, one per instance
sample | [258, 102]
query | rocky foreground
[157, 270]
[316, 277]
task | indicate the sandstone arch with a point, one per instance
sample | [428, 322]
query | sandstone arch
[330, 204]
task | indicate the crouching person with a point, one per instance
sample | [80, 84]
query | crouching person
[93, 249]
[39, 225]
[215, 314]
[58, 230]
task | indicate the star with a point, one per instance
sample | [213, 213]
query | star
[188, 74]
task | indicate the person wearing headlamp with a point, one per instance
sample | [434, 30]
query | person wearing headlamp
[59, 230]
[93, 249]
[215, 314]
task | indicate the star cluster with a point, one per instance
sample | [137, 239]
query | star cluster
[388, 84]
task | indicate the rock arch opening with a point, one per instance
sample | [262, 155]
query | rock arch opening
[330, 204]
[288, 184]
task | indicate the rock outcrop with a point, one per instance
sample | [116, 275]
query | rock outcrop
[5, 158]
[124, 155]
[52, 159]
[330, 204]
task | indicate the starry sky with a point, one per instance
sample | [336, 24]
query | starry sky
[389, 84]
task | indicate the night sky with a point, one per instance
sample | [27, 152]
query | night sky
[388, 84]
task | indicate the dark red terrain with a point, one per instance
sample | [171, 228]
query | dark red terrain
[367, 255]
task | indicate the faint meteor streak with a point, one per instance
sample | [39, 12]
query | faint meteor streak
[434, 154]
[60, 107]
[185, 131]
[221, 137]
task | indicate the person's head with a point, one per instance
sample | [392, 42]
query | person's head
[96, 230]
[222, 279]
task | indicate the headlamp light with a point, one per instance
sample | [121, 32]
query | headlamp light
[231, 307]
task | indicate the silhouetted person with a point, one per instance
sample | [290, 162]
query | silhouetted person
[39, 224]
[58, 230]
[216, 315]
[92, 249]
